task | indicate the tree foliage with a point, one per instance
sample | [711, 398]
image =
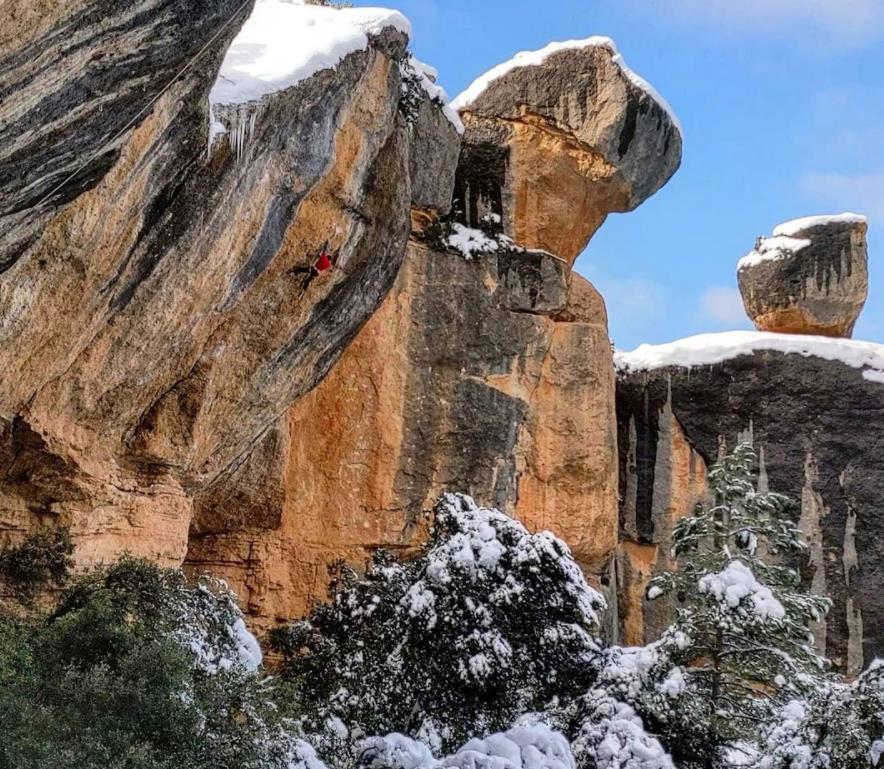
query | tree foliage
[487, 623]
[42, 560]
[135, 669]
[740, 640]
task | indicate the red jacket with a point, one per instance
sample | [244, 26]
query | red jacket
[323, 263]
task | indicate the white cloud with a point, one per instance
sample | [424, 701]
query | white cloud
[862, 193]
[723, 305]
[839, 21]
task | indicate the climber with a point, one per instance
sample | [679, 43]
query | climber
[324, 262]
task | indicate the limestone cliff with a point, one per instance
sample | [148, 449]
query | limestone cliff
[155, 318]
[178, 382]
[489, 372]
[807, 404]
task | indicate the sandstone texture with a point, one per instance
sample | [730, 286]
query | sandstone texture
[154, 317]
[552, 148]
[492, 375]
[811, 277]
[461, 380]
[813, 419]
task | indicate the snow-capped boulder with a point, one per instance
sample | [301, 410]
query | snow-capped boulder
[559, 138]
[810, 277]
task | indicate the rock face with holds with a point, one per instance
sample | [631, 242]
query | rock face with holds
[488, 369]
[811, 277]
[171, 388]
[154, 317]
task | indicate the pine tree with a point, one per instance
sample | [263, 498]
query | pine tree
[742, 618]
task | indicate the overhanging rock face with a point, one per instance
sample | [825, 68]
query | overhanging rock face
[154, 316]
[486, 372]
[479, 375]
[559, 138]
[816, 419]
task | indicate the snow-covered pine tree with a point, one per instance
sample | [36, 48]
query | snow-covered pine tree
[840, 726]
[742, 617]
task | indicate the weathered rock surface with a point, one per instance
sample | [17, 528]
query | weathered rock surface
[811, 277]
[490, 375]
[174, 384]
[816, 421]
[154, 324]
[480, 375]
[554, 147]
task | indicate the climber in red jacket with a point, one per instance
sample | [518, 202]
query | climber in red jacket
[324, 262]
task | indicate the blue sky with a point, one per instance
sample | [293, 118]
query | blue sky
[782, 103]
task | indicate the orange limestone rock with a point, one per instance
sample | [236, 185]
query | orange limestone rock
[155, 315]
[487, 370]
[559, 138]
[455, 383]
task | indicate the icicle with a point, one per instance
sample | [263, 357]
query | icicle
[235, 121]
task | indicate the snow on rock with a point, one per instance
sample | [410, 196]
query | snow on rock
[709, 349]
[470, 242]
[522, 747]
[536, 58]
[772, 249]
[795, 226]
[735, 583]
[286, 41]
[427, 77]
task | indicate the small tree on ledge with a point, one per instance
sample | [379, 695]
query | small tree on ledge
[742, 618]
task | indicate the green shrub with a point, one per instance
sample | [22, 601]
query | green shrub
[488, 623]
[136, 669]
[42, 560]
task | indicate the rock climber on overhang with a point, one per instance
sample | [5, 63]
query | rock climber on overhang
[322, 263]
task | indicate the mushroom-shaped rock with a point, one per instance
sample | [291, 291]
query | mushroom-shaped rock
[811, 277]
[559, 138]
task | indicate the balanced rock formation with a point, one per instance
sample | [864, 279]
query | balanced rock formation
[813, 408]
[559, 138]
[811, 277]
[488, 369]
[156, 317]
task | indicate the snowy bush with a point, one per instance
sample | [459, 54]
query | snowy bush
[487, 623]
[135, 668]
[395, 751]
[525, 746]
[534, 746]
[612, 736]
[839, 726]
